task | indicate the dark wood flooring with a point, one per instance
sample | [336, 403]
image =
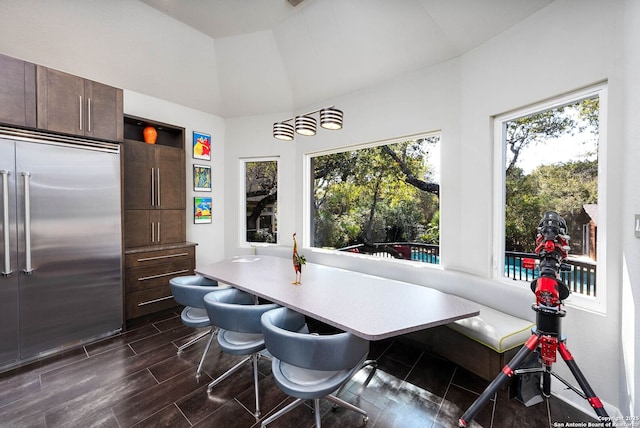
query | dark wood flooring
[136, 379]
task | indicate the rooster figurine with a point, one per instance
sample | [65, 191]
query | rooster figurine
[298, 261]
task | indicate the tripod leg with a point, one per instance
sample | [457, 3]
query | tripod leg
[593, 400]
[546, 382]
[504, 375]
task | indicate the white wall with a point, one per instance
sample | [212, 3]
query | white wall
[427, 102]
[122, 43]
[630, 293]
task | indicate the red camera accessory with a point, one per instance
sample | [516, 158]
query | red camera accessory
[547, 292]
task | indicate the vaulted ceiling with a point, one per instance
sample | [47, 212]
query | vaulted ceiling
[272, 56]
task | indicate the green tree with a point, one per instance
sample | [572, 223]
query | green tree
[562, 186]
[522, 204]
[376, 194]
[565, 188]
[535, 128]
[261, 184]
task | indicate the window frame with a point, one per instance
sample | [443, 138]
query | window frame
[307, 192]
[242, 201]
[595, 304]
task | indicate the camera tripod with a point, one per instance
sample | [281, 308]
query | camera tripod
[551, 247]
[547, 337]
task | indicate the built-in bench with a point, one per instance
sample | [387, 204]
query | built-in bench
[482, 344]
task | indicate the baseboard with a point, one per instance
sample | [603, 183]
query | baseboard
[577, 402]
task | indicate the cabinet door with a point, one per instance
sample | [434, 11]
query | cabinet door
[170, 228]
[139, 171]
[60, 101]
[104, 118]
[153, 227]
[137, 228]
[169, 162]
[17, 92]
[73, 105]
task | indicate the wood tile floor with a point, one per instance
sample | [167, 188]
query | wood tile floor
[136, 379]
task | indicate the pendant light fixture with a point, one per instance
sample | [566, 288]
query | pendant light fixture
[283, 131]
[330, 118]
[306, 125]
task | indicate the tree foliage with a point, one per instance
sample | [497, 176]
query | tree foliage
[378, 194]
[261, 185]
[529, 130]
[564, 185]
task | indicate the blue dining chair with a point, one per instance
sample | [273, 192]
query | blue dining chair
[310, 366]
[237, 315]
[189, 291]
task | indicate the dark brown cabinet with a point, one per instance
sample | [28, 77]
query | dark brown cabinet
[154, 194]
[154, 175]
[147, 275]
[153, 227]
[17, 92]
[72, 105]
[154, 186]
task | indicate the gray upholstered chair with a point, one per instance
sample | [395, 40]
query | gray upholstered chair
[189, 291]
[310, 366]
[240, 332]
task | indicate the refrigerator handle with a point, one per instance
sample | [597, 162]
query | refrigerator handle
[5, 222]
[27, 223]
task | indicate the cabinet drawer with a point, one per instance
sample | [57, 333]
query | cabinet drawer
[146, 258]
[149, 301]
[141, 278]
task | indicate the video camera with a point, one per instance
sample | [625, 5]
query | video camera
[551, 247]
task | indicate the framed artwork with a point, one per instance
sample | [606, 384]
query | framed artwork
[201, 146]
[201, 178]
[201, 210]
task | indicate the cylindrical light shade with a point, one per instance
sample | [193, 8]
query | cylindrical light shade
[283, 131]
[306, 125]
[331, 118]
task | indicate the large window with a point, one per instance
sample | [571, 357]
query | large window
[550, 162]
[261, 200]
[381, 200]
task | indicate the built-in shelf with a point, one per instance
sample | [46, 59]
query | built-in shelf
[168, 135]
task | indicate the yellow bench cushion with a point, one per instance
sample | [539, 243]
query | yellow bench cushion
[494, 329]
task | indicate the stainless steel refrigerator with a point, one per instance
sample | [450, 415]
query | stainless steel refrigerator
[61, 248]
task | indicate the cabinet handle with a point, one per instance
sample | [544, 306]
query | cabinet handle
[89, 114]
[158, 185]
[80, 106]
[27, 223]
[168, 256]
[148, 302]
[5, 222]
[158, 231]
[153, 232]
[161, 275]
[153, 187]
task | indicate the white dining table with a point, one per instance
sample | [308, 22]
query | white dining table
[368, 306]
